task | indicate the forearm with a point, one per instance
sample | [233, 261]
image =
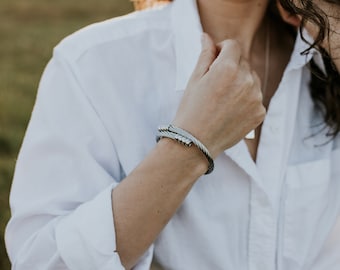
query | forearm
[146, 200]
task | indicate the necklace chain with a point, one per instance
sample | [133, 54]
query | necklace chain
[267, 60]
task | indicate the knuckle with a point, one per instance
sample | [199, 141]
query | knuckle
[256, 78]
[248, 81]
[258, 95]
[261, 113]
[258, 114]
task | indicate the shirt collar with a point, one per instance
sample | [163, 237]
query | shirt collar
[187, 39]
[299, 60]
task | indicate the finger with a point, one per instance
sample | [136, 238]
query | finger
[230, 50]
[228, 60]
[257, 80]
[207, 56]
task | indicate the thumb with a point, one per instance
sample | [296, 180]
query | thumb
[207, 56]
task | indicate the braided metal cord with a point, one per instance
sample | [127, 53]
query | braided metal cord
[185, 138]
[174, 136]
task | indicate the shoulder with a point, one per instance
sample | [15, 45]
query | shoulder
[118, 30]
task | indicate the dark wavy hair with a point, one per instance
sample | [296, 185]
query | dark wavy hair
[324, 87]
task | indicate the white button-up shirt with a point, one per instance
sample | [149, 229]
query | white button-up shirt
[100, 101]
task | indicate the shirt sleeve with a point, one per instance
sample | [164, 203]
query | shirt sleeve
[61, 193]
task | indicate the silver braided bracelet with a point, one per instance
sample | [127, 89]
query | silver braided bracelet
[185, 138]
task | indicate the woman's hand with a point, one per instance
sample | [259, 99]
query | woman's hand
[223, 99]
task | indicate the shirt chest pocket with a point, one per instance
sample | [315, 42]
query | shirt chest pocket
[307, 192]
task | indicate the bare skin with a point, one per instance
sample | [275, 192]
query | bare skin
[332, 44]
[280, 51]
[233, 19]
[223, 76]
[252, 37]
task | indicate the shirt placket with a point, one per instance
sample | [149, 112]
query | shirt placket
[262, 229]
[263, 218]
[276, 135]
[267, 174]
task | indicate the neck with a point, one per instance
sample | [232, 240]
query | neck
[233, 19]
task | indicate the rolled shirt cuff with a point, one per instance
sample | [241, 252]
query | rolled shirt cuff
[86, 238]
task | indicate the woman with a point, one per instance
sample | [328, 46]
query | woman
[93, 190]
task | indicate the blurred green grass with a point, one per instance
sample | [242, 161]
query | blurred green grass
[28, 32]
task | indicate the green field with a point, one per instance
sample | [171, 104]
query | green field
[29, 29]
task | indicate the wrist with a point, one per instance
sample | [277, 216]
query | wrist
[185, 138]
[189, 160]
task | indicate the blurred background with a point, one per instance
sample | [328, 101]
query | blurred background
[29, 29]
